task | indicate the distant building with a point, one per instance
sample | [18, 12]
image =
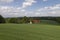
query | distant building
[36, 21]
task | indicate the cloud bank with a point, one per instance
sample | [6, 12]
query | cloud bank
[6, 1]
[10, 11]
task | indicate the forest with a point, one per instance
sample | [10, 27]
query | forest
[25, 19]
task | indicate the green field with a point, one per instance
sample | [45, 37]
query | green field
[29, 32]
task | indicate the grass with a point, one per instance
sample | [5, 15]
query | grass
[29, 32]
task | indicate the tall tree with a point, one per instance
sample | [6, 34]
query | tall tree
[24, 20]
[2, 20]
[13, 20]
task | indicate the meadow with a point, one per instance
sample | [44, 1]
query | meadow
[29, 32]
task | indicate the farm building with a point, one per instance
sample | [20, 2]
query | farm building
[36, 21]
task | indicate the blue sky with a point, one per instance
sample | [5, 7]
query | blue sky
[18, 8]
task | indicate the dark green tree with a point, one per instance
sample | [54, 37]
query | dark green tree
[2, 20]
[12, 20]
[58, 19]
[24, 20]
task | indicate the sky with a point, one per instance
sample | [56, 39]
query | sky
[31, 8]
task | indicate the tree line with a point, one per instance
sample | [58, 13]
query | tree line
[25, 19]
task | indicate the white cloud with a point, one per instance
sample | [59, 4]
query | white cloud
[50, 11]
[28, 3]
[8, 11]
[45, 0]
[6, 1]
[55, 7]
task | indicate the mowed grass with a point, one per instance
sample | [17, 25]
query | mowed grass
[29, 32]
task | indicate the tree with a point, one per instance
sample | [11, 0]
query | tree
[2, 20]
[13, 20]
[58, 19]
[24, 20]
